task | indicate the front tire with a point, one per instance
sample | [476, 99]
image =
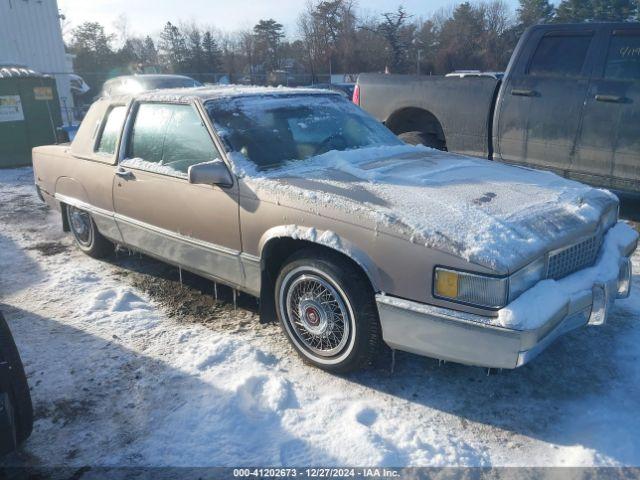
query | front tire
[327, 310]
[86, 234]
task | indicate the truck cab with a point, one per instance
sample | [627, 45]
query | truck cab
[569, 103]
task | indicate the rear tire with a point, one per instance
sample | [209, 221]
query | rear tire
[327, 310]
[86, 234]
[19, 394]
[422, 138]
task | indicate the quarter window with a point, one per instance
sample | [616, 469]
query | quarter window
[168, 139]
[560, 55]
[623, 58]
[111, 131]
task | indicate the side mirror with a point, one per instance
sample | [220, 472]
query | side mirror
[210, 173]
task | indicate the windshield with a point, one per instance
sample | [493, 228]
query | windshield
[271, 130]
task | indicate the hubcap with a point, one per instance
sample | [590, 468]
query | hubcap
[317, 315]
[80, 225]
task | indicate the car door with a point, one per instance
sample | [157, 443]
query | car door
[540, 109]
[158, 211]
[608, 153]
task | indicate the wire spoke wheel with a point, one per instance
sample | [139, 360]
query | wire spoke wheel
[326, 308]
[317, 313]
[81, 226]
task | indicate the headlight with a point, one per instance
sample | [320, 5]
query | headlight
[471, 288]
[610, 218]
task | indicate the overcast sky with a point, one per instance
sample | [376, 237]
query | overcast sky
[148, 16]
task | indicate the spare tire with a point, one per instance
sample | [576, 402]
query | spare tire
[17, 386]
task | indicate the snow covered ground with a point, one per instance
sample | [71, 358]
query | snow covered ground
[127, 367]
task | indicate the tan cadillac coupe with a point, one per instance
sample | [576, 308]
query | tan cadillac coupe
[347, 235]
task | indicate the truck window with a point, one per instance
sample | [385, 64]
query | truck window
[168, 139]
[623, 57]
[111, 131]
[560, 55]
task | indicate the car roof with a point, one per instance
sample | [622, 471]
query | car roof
[215, 92]
[150, 76]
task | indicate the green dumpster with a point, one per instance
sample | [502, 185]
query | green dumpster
[29, 114]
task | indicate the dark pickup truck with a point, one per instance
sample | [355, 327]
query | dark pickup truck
[568, 102]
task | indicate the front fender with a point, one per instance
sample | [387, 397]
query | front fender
[326, 238]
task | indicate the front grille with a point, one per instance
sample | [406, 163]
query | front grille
[574, 257]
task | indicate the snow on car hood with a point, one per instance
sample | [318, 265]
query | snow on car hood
[489, 213]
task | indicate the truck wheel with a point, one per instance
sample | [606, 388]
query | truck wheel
[19, 395]
[327, 309]
[86, 234]
[422, 138]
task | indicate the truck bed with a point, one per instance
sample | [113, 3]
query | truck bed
[462, 106]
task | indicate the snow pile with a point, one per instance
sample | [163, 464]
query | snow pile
[208, 92]
[328, 238]
[538, 304]
[489, 213]
[116, 381]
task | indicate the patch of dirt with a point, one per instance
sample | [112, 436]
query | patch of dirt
[49, 248]
[21, 206]
[193, 300]
[486, 198]
[64, 410]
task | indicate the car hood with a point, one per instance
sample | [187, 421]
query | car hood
[488, 213]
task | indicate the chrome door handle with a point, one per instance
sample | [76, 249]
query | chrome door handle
[124, 174]
[523, 92]
[610, 98]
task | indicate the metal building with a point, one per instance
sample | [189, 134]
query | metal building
[30, 35]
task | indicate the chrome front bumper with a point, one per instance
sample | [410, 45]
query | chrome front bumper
[472, 339]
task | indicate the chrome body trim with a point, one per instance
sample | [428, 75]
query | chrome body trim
[216, 262]
[474, 340]
[104, 219]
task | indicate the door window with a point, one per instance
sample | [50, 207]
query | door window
[560, 55]
[623, 58]
[111, 131]
[168, 139]
[187, 141]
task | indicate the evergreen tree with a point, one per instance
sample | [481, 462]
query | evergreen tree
[149, 51]
[95, 59]
[574, 11]
[195, 53]
[398, 34]
[532, 12]
[614, 10]
[173, 47]
[212, 54]
[268, 34]
[460, 40]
